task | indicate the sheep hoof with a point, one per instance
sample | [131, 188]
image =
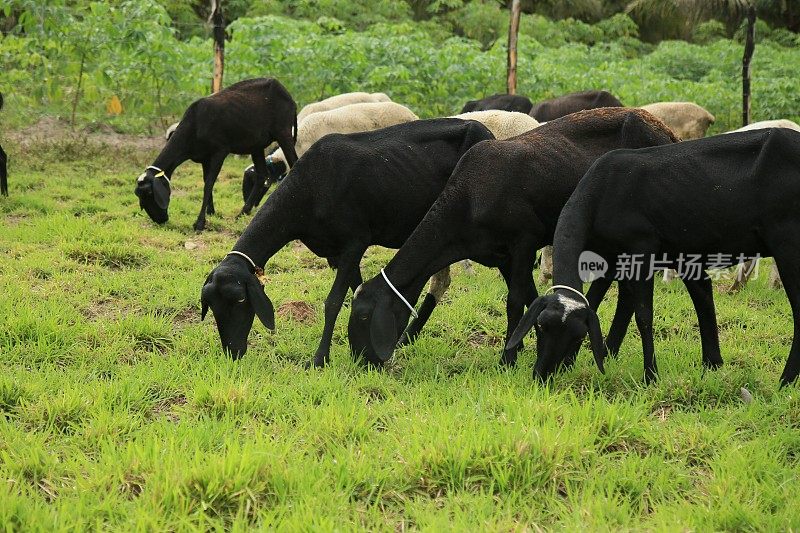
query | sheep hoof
[314, 363]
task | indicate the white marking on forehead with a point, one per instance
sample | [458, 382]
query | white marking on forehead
[569, 304]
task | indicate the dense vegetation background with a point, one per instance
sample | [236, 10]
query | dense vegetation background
[62, 59]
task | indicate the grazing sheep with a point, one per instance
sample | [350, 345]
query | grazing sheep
[668, 201]
[688, 120]
[502, 124]
[503, 102]
[3, 164]
[348, 192]
[571, 103]
[498, 208]
[745, 270]
[351, 118]
[241, 119]
[340, 100]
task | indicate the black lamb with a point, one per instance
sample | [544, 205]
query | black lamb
[241, 119]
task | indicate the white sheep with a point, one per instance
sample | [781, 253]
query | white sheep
[502, 124]
[351, 118]
[779, 123]
[340, 100]
[688, 120]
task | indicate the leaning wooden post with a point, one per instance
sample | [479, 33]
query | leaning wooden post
[744, 271]
[219, 44]
[749, 48]
[513, 31]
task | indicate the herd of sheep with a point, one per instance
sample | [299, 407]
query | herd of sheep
[494, 185]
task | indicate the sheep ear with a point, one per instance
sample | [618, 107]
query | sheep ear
[383, 332]
[527, 322]
[261, 304]
[160, 193]
[596, 339]
[248, 182]
[203, 300]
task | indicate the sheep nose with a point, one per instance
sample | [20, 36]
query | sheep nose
[235, 353]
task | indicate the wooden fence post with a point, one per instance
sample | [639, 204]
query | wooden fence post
[513, 31]
[749, 48]
[219, 44]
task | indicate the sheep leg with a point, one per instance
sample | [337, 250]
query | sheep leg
[546, 270]
[286, 142]
[259, 187]
[211, 168]
[701, 292]
[3, 172]
[347, 272]
[642, 292]
[210, 210]
[622, 318]
[521, 292]
[439, 284]
[788, 261]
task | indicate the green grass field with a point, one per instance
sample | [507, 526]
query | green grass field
[118, 409]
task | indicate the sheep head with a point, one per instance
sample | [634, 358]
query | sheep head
[377, 318]
[153, 190]
[236, 296]
[562, 322]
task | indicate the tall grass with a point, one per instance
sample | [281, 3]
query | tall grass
[118, 409]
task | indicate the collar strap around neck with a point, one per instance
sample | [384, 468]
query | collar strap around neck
[160, 174]
[389, 283]
[566, 288]
[257, 270]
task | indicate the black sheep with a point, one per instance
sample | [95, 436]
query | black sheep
[571, 103]
[504, 102]
[347, 192]
[241, 119]
[688, 199]
[500, 205]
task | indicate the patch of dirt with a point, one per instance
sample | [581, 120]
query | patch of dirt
[313, 263]
[132, 486]
[105, 308]
[190, 315]
[298, 311]
[662, 411]
[50, 128]
[15, 220]
[166, 406]
[476, 339]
